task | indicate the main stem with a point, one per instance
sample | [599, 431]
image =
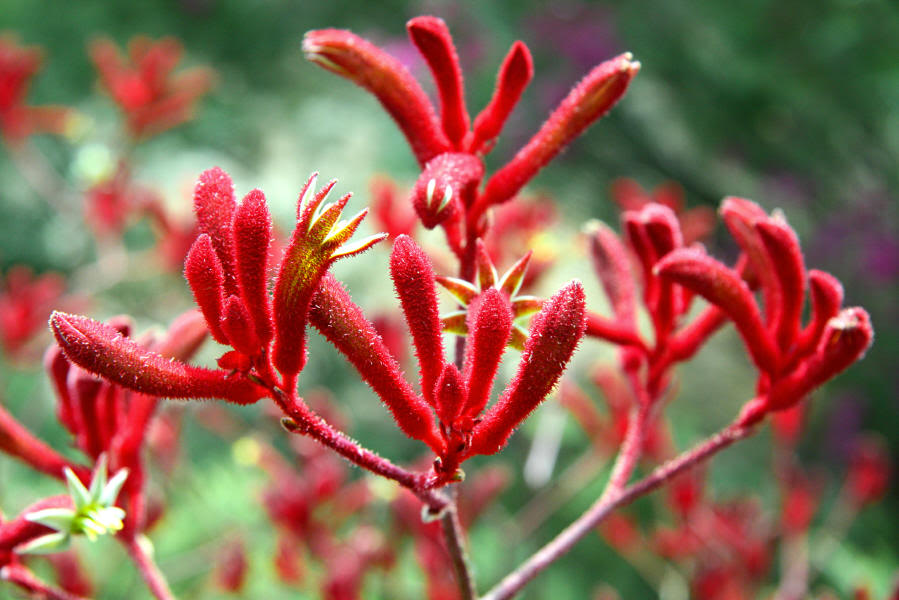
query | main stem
[562, 543]
[150, 573]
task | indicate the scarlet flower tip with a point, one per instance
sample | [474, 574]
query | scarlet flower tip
[514, 75]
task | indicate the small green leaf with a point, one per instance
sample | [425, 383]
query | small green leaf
[80, 495]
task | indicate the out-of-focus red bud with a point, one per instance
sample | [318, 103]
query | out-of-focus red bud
[231, 573]
[725, 289]
[613, 268]
[869, 471]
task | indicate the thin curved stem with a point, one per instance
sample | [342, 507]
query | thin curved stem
[562, 543]
[454, 535]
[148, 569]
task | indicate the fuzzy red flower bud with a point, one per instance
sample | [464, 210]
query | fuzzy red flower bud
[449, 395]
[590, 99]
[238, 326]
[827, 297]
[869, 471]
[341, 321]
[783, 249]
[613, 269]
[252, 245]
[205, 276]
[413, 278]
[724, 288]
[368, 66]
[514, 75]
[214, 205]
[432, 38]
[489, 328]
[555, 333]
[447, 181]
[100, 349]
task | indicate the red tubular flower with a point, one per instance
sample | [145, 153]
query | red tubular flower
[489, 327]
[413, 279]
[100, 349]
[450, 154]
[827, 298]
[725, 289]
[432, 38]
[204, 273]
[782, 246]
[150, 96]
[592, 98]
[252, 245]
[613, 269]
[26, 300]
[387, 79]
[555, 333]
[449, 395]
[390, 212]
[214, 205]
[18, 64]
[514, 75]
[695, 223]
[341, 321]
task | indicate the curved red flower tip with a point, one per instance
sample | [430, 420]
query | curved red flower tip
[785, 254]
[449, 395]
[252, 245]
[613, 269]
[102, 350]
[214, 205]
[724, 288]
[555, 333]
[205, 276]
[589, 100]
[489, 328]
[447, 182]
[662, 228]
[341, 321]
[368, 66]
[827, 298]
[432, 38]
[413, 278]
[514, 75]
[740, 216]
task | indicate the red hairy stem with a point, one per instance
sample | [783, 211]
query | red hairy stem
[724, 288]
[18, 442]
[555, 333]
[489, 327]
[432, 38]
[214, 205]
[148, 570]
[564, 541]
[303, 421]
[252, 245]
[454, 535]
[514, 75]
[206, 278]
[368, 66]
[590, 99]
[413, 278]
[341, 321]
[102, 350]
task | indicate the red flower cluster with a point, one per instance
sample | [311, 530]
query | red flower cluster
[450, 148]
[26, 301]
[18, 64]
[150, 96]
